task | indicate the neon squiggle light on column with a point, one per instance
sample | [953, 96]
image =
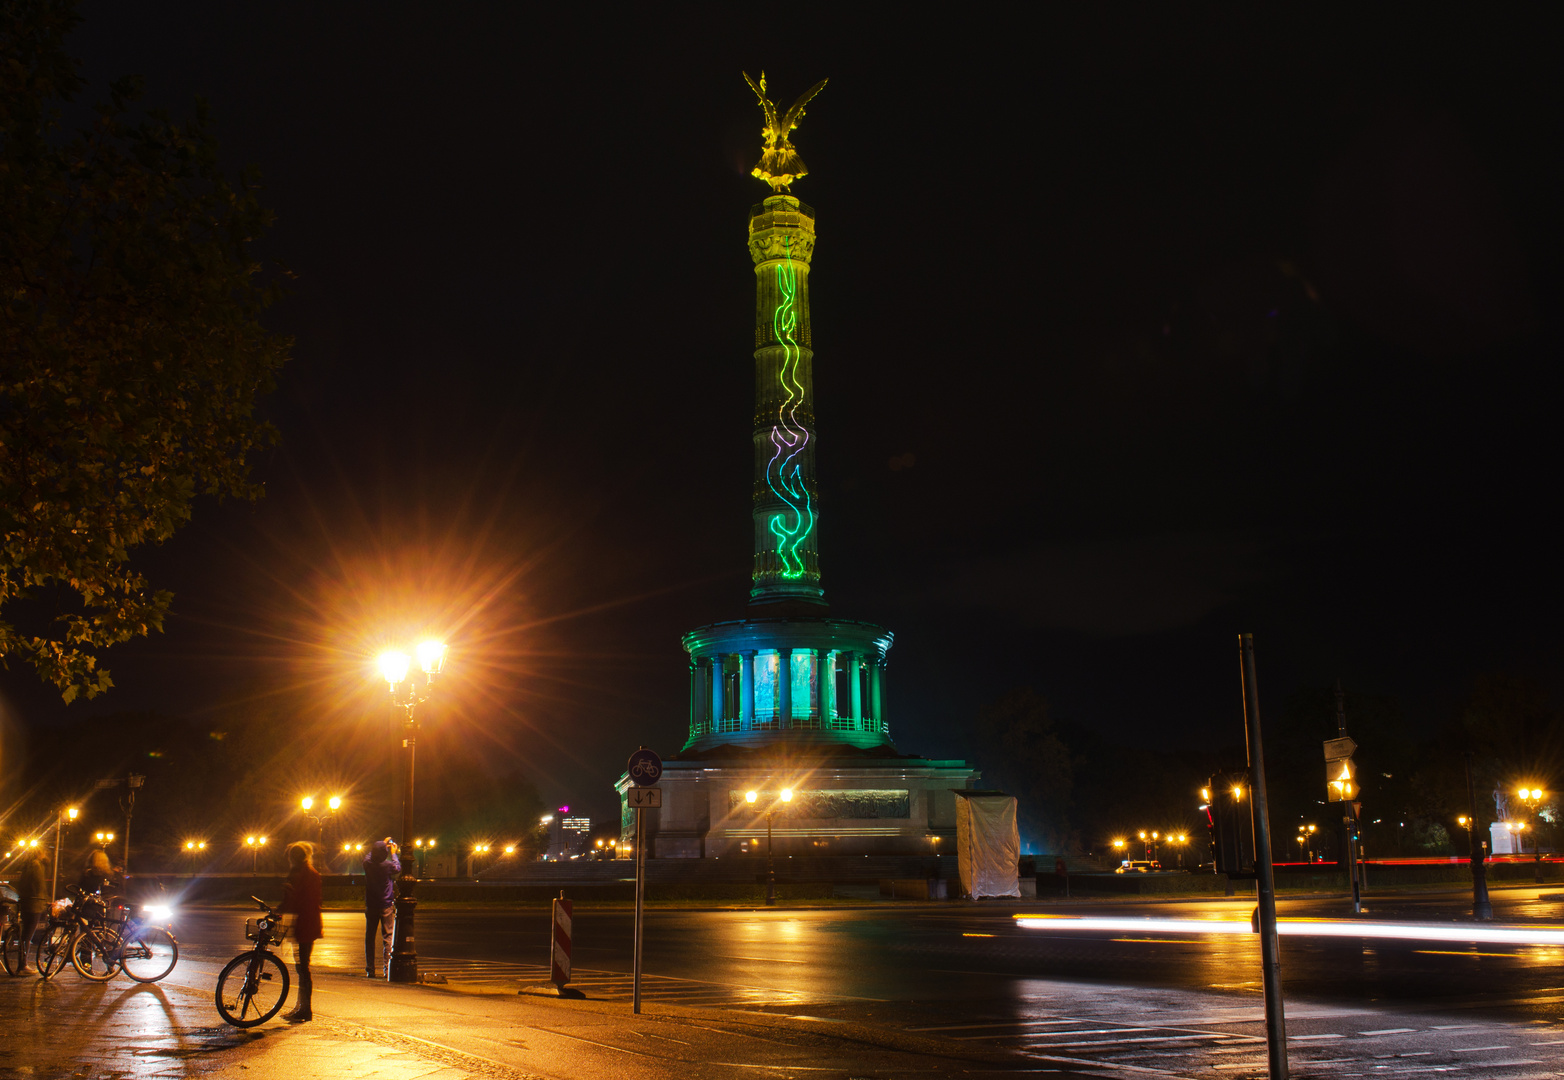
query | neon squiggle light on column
[784, 473]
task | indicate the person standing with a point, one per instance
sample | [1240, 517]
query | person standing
[301, 899]
[381, 867]
[32, 891]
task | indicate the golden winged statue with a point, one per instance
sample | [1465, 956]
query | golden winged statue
[780, 164]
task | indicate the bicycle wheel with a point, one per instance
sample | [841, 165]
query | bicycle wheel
[94, 953]
[251, 989]
[150, 954]
[13, 951]
[54, 951]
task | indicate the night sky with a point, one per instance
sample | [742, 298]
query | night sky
[1131, 334]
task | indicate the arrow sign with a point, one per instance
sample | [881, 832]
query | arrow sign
[1336, 749]
[644, 798]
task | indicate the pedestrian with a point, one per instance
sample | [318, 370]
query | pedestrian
[33, 894]
[301, 899]
[381, 867]
[98, 875]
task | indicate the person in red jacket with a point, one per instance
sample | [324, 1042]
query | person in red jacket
[301, 899]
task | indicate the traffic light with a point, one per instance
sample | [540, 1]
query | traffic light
[1341, 774]
[1231, 821]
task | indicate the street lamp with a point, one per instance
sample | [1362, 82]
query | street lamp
[1306, 837]
[421, 849]
[254, 843]
[394, 668]
[68, 814]
[333, 804]
[752, 797]
[1531, 799]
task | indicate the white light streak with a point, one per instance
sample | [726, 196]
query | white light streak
[1469, 932]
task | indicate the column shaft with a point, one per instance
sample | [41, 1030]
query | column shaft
[785, 688]
[746, 690]
[718, 693]
[876, 705]
[826, 674]
[855, 672]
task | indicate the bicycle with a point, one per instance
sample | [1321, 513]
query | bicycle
[143, 950]
[249, 980]
[70, 914]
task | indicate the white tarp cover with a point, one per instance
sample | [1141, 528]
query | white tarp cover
[988, 845]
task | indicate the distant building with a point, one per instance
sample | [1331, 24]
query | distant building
[567, 835]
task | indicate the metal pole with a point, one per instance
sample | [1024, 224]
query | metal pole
[404, 948]
[640, 897]
[771, 868]
[1265, 885]
[130, 808]
[1482, 908]
[54, 880]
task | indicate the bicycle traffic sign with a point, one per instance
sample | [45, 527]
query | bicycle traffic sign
[645, 768]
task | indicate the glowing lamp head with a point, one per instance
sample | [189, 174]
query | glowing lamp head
[431, 843]
[1118, 844]
[347, 847]
[751, 796]
[250, 840]
[335, 802]
[787, 794]
[1536, 793]
[1238, 791]
[431, 656]
[393, 667]
[263, 841]
[71, 812]
[509, 849]
[307, 803]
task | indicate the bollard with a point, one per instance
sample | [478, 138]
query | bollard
[562, 910]
[562, 925]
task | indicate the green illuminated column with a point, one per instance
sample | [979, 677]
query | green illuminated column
[786, 497]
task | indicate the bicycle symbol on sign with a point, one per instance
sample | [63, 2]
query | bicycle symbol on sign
[645, 767]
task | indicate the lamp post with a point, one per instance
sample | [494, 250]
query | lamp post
[333, 804]
[405, 695]
[752, 797]
[69, 813]
[421, 849]
[255, 843]
[1531, 799]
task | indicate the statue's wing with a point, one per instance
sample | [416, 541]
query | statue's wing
[796, 113]
[765, 103]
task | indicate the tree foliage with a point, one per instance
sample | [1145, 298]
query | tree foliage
[131, 349]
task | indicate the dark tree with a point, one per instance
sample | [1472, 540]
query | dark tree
[131, 349]
[1024, 753]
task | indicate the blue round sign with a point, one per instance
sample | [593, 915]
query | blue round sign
[645, 768]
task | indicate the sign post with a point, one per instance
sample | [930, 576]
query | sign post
[1265, 884]
[644, 770]
[1341, 785]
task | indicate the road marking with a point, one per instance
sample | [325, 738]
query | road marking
[1101, 1065]
[766, 959]
[594, 1042]
[1464, 952]
[1476, 1049]
[1388, 1031]
[992, 1023]
[1155, 940]
[1301, 1038]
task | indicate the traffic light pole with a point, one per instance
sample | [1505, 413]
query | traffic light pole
[1482, 908]
[1270, 953]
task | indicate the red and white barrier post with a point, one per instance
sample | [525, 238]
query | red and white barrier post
[561, 950]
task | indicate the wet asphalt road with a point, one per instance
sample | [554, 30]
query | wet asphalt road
[1126, 1002]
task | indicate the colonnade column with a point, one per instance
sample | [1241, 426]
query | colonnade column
[746, 690]
[826, 675]
[855, 673]
[785, 688]
[876, 707]
[719, 702]
[695, 698]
